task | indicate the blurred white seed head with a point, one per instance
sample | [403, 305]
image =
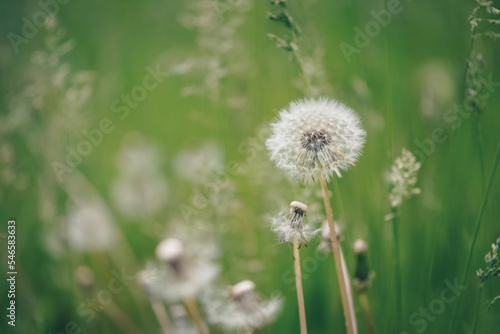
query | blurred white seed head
[185, 267]
[292, 226]
[91, 226]
[403, 178]
[141, 190]
[315, 137]
[325, 246]
[239, 307]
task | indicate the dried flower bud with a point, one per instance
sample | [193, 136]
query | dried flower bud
[84, 277]
[360, 246]
[362, 275]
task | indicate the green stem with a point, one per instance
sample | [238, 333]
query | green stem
[397, 266]
[477, 308]
[476, 233]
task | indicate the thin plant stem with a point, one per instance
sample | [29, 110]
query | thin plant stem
[397, 266]
[298, 56]
[298, 284]
[336, 254]
[196, 316]
[348, 290]
[478, 307]
[476, 233]
[161, 314]
[367, 313]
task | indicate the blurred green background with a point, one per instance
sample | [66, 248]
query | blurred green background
[401, 84]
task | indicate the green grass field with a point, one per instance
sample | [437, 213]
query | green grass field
[177, 98]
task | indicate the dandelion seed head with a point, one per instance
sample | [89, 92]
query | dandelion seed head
[290, 227]
[185, 267]
[315, 138]
[239, 307]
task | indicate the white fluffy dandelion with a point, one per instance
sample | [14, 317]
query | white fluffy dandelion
[183, 270]
[403, 178]
[240, 307]
[91, 226]
[290, 227]
[316, 138]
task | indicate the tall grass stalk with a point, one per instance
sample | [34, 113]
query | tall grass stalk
[476, 233]
[298, 284]
[349, 317]
[397, 265]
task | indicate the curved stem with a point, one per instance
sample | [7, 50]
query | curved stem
[298, 284]
[476, 233]
[338, 261]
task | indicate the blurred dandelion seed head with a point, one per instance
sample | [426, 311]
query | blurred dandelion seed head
[90, 226]
[315, 138]
[239, 307]
[185, 268]
[325, 246]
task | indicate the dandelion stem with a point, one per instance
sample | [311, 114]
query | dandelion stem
[196, 316]
[367, 313]
[338, 261]
[298, 283]
[161, 314]
[397, 265]
[476, 233]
